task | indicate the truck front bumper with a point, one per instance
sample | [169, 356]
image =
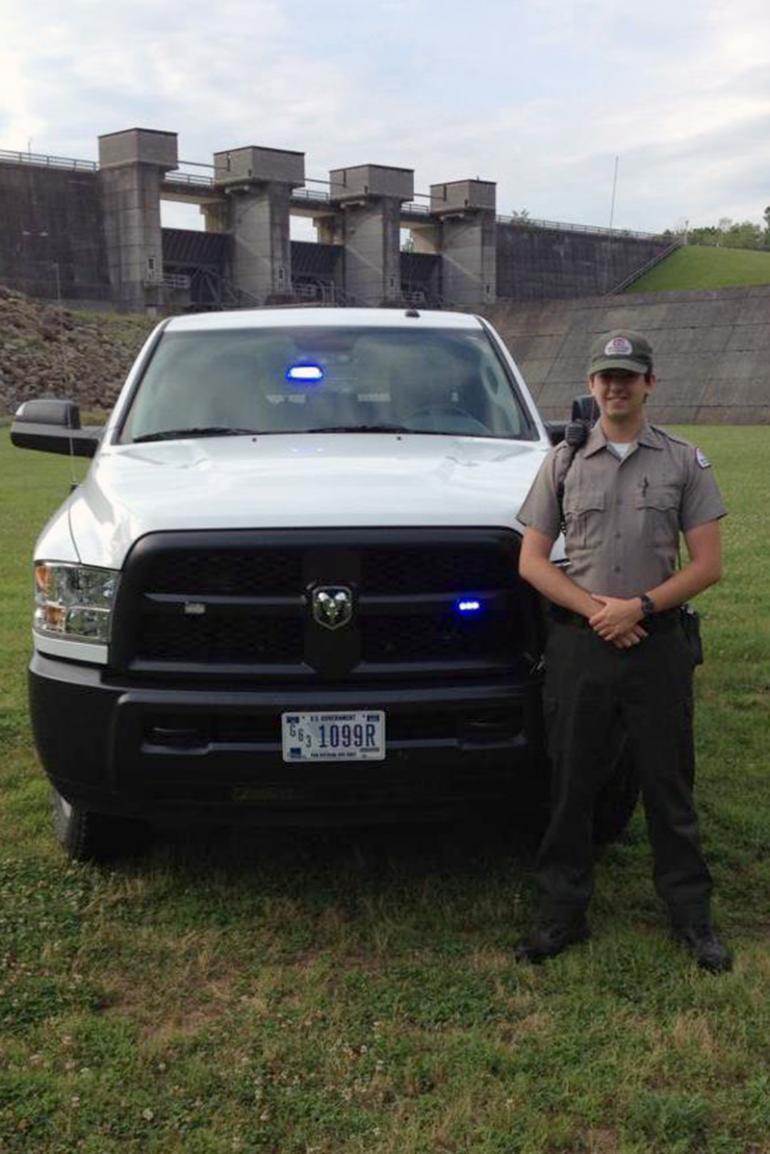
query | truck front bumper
[196, 752]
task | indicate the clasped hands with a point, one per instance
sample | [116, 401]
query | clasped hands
[618, 621]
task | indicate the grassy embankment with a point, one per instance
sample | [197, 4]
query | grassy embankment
[703, 267]
[344, 993]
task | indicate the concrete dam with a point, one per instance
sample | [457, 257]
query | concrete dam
[88, 231]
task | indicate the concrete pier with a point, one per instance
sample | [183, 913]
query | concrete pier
[131, 167]
[368, 198]
[257, 183]
[465, 210]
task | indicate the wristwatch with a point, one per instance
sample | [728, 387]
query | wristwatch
[648, 605]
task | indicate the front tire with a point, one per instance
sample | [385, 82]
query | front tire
[86, 836]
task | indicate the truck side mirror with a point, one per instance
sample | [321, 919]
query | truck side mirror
[53, 426]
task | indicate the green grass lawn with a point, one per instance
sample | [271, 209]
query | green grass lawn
[349, 992]
[703, 267]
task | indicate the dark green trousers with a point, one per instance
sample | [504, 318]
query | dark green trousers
[592, 688]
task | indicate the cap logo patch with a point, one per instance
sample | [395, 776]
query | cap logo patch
[618, 347]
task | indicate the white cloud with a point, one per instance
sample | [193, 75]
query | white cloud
[535, 94]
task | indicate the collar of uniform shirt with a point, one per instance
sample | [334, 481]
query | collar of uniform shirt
[597, 439]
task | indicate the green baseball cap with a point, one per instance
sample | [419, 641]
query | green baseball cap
[621, 349]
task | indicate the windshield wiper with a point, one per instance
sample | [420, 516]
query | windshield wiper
[391, 429]
[359, 429]
[206, 431]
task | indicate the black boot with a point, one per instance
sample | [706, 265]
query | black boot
[702, 942]
[548, 939]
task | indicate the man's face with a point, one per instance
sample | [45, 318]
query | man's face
[620, 394]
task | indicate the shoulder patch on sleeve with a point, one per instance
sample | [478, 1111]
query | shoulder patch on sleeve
[702, 459]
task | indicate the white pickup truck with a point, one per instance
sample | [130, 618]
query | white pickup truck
[287, 589]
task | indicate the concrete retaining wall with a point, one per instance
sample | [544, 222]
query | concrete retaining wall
[712, 350]
[51, 225]
[549, 263]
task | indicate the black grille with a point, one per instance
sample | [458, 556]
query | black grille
[244, 572]
[220, 639]
[393, 570]
[425, 638]
[240, 603]
[435, 570]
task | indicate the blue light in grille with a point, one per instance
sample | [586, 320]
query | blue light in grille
[468, 606]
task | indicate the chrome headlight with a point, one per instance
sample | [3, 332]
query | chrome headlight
[74, 600]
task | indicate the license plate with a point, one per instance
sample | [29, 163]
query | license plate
[358, 736]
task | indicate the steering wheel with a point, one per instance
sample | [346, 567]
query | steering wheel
[448, 409]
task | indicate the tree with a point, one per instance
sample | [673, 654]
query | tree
[728, 233]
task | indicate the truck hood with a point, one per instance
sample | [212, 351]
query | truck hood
[297, 481]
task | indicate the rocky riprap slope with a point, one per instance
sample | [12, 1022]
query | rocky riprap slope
[46, 351]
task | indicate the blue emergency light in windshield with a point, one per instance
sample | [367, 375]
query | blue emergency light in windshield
[304, 374]
[468, 606]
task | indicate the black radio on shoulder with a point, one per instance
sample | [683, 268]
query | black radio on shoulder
[575, 434]
[584, 415]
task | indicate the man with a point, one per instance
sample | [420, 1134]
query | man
[616, 653]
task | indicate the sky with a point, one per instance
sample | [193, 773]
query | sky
[540, 96]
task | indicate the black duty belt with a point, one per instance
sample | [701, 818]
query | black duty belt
[659, 622]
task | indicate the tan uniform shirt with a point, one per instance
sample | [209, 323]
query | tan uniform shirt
[623, 518]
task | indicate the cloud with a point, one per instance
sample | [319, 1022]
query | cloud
[539, 96]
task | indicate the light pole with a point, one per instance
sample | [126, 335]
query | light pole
[56, 269]
[612, 220]
[57, 275]
[53, 264]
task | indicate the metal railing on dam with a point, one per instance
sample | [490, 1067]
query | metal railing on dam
[565, 226]
[188, 178]
[39, 160]
[645, 268]
[310, 196]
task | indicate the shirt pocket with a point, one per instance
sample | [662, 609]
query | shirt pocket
[658, 508]
[583, 516]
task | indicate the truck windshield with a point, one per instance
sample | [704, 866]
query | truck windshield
[312, 380]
